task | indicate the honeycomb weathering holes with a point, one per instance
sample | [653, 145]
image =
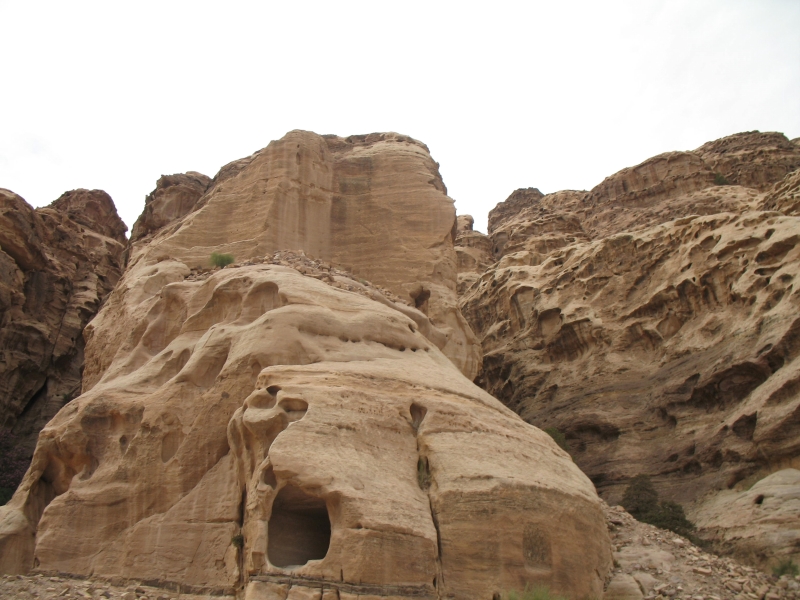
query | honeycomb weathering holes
[299, 528]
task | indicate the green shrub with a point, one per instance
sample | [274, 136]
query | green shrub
[786, 567]
[221, 260]
[238, 541]
[537, 592]
[720, 179]
[641, 500]
[558, 437]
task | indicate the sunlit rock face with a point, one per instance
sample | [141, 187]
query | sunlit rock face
[374, 205]
[318, 424]
[655, 321]
[280, 420]
[57, 265]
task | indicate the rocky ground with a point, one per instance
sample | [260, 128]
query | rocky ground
[653, 563]
[43, 586]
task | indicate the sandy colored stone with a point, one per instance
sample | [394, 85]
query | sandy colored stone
[760, 525]
[373, 205]
[57, 265]
[623, 587]
[313, 416]
[784, 196]
[654, 319]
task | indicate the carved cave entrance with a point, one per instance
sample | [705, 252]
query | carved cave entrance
[299, 528]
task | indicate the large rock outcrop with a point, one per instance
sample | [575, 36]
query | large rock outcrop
[374, 205]
[58, 264]
[280, 423]
[175, 196]
[654, 320]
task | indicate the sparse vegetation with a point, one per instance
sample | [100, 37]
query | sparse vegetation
[537, 592]
[786, 567]
[720, 179]
[423, 473]
[238, 541]
[558, 437]
[221, 260]
[13, 464]
[641, 500]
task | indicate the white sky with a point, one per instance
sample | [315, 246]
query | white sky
[554, 95]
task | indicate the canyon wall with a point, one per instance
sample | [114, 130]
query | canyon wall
[58, 264]
[654, 320]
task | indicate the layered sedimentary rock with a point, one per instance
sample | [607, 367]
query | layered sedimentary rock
[282, 424]
[473, 252]
[767, 514]
[58, 264]
[374, 205]
[654, 320]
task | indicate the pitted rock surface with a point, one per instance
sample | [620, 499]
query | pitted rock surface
[654, 321]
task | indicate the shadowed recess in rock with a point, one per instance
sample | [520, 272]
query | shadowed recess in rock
[299, 528]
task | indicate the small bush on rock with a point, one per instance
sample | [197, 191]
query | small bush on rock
[786, 567]
[558, 437]
[641, 500]
[720, 179]
[221, 260]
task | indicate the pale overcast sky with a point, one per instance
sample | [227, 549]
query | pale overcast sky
[554, 95]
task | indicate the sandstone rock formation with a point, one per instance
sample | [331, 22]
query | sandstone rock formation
[741, 521]
[282, 424]
[58, 264]
[654, 320]
[374, 205]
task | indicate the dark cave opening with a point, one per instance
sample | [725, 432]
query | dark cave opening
[299, 528]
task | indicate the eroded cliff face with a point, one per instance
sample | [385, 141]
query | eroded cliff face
[654, 320]
[58, 264]
[374, 205]
[282, 422]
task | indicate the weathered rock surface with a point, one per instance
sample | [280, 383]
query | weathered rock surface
[784, 196]
[654, 320]
[319, 424]
[174, 197]
[282, 428]
[58, 264]
[473, 252]
[741, 520]
[650, 563]
[374, 205]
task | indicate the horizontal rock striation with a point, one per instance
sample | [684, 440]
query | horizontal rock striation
[654, 321]
[58, 264]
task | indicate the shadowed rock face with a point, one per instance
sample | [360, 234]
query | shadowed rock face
[654, 320]
[58, 264]
[174, 197]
